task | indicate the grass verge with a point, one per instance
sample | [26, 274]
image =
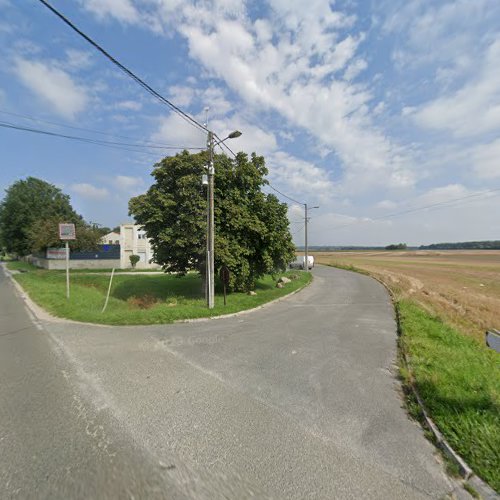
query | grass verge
[142, 299]
[459, 381]
[458, 378]
[20, 265]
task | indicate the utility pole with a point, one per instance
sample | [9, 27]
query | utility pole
[211, 224]
[211, 220]
[306, 252]
[306, 262]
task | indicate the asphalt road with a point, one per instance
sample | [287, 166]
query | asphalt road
[296, 400]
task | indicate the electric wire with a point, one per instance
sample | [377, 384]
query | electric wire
[116, 145]
[124, 69]
[298, 230]
[93, 131]
[285, 195]
[437, 205]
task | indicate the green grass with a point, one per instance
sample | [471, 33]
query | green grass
[19, 265]
[142, 299]
[459, 382]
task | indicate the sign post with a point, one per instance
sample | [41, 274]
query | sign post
[67, 232]
[224, 275]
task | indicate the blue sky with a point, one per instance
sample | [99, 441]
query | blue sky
[365, 108]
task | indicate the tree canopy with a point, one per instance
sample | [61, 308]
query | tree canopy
[251, 228]
[29, 214]
[398, 246]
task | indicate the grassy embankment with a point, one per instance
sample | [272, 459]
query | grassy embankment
[446, 301]
[141, 299]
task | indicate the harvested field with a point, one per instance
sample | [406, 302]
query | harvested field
[460, 286]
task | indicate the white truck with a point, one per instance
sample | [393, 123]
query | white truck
[299, 262]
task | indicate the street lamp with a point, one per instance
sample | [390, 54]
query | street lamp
[306, 263]
[211, 223]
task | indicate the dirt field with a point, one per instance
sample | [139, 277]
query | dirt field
[461, 286]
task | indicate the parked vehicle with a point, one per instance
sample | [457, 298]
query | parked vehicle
[299, 262]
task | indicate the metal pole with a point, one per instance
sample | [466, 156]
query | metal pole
[306, 263]
[67, 269]
[109, 290]
[211, 223]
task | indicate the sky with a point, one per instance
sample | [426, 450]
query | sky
[384, 113]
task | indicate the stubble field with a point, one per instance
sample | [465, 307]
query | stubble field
[462, 287]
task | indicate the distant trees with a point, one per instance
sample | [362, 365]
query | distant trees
[399, 246]
[251, 234]
[29, 214]
[464, 245]
[45, 234]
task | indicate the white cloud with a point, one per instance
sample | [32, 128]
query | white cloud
[127, 183]
[129, 105]
[486, 160]
[445, 33]
[175, 131]
[472, 110]
[355, 68]
[53, 85]
[292, 63]
[299, 176]
[78, 59]
[441, 194]
[386, 204]
[181, 95]
[122, 10]
[89, 191]
[253, 140]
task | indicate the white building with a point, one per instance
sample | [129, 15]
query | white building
[112, 238]
[133, 241]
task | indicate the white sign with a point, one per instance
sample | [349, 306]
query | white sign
[67, 232]
[56, 253]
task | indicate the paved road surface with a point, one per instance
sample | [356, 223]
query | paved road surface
[296, 400]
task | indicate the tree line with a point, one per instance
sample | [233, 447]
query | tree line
[464, 245]
[252, 236]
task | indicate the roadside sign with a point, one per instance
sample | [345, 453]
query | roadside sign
[56, 253]
[67, 232]
[493, 340]
[224, 275]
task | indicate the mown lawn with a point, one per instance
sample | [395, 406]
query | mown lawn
[143, 299]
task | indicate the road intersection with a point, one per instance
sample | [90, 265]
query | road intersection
[296, 400]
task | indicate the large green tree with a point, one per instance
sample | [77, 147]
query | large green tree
[29, 202]
[251, 228]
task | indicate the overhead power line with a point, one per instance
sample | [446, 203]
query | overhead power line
[298, 230]
[117, 145]
[93, 131]
[125, 70]
[221, 143]
[285, 195]
[441, 204]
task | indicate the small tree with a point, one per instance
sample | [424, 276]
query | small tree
[134, 259]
